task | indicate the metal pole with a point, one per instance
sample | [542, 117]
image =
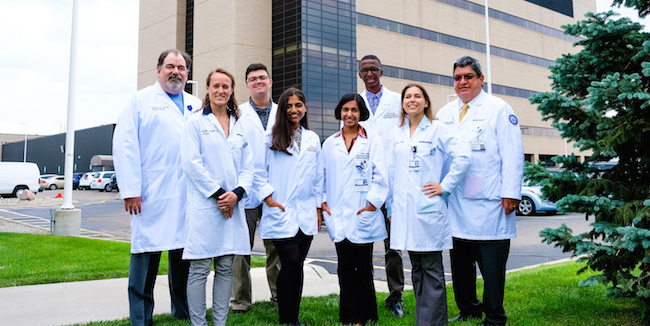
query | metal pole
[25, 150]
[69, 135]
[195, 87]
[487, 48]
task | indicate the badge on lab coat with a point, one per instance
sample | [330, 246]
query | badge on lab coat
[361, 181]
[477, 145]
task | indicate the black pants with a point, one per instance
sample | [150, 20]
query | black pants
[491, 256]
[143, 269]
[292, 252]
[394, 267]
[358, 303]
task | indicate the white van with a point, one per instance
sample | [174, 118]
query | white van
[17, 176]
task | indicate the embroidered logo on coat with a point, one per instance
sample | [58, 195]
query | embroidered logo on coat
[513, 119]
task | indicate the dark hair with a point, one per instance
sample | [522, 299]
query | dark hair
[281, 131]
[468, 61]
[163, 55]
[254, 67]
[365, 114]
[370, 57]
[427, 109]
[232, 110]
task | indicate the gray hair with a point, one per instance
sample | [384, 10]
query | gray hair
[163, 55]
[468, 61]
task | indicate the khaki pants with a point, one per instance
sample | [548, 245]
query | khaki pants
[242, 295]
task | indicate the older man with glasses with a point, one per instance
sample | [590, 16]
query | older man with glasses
[482, 209]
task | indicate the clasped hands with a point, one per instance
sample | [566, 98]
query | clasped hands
[226, 203]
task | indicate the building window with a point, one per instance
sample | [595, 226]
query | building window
[314, 49]
[433, 36]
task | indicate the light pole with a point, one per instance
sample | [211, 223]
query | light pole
[195, 87]
[25, 150]
[487, 47]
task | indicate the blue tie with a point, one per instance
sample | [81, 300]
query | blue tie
[374, 102]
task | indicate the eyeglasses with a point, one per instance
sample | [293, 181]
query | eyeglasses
[364, 71]
[260, 78]
[467, 77]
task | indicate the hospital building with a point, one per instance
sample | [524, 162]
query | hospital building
[316, 45]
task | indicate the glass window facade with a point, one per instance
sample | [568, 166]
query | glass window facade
[567, 6]
[430, 78]
[433, 36]
[314, 49]
[189, 37]
[562, 6]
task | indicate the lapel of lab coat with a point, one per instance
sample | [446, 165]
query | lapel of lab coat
[294, 176]
[162, 96]
[475, 110]
[358, 146]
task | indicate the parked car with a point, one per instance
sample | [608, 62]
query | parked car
[101, 181]
[15, 177]
[532, 201]
[86, 179]
[112, 185]
[76, 177]
[52, 182]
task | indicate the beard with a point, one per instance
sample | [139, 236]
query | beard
[174, 82]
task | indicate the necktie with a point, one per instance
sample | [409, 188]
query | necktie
[463, 111]
[374, 102]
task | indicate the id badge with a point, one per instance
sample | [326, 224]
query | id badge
[414, 165]
[477, 146]
[361, 184]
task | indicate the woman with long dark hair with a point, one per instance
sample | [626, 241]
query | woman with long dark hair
[291, 216]
[356, 186]
[217, 161]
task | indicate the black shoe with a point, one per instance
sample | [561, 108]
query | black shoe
[487, 323]
[464, 317]
[396, 309]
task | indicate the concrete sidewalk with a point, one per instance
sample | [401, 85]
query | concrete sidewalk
[80, 302]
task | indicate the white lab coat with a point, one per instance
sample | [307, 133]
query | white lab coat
[420, 223]
[386, 118]
[210, 162]
[296, 182]
[344, 175]
[255, 135]
[492, 131]
[146, 153]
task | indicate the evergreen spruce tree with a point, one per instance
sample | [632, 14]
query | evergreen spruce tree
[601, 101]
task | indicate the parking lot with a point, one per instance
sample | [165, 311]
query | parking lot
[103, 216]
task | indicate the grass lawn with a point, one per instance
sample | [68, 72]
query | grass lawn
[547, 295]
[27, 259]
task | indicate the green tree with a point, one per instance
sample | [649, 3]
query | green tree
[601, 101]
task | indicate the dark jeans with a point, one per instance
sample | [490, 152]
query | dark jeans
[143, 269]
[358, 303]
[292, 252]
[491, 257]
